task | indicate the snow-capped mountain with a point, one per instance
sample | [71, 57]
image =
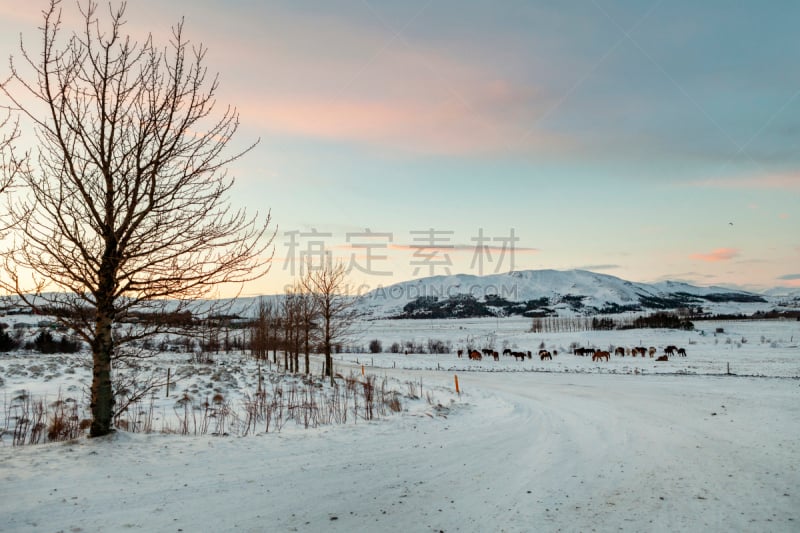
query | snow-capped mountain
[553, 291]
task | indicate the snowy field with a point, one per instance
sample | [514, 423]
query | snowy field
[748, 347]
[561, 445]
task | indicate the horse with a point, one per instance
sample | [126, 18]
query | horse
[518, 356]
[460, 353]
[507, 351]
[496, 356]
[620, 351]
[599, 354]
[487, 352]
[529, 355]
[639, 349]
[544, 354]
[670, 350]
[651, 351]
[475, 355]
[579, 351]
[662, 358]
[682, 352]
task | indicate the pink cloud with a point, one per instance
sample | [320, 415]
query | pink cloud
[785, 182]
[462, 248]
[443, 123]
[719, 254]
[371, 88]
[327, 77]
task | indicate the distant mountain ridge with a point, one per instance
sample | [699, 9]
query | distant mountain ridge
[546, 292]
[527, 293]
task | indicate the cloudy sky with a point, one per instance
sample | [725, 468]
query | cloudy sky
[647, 140]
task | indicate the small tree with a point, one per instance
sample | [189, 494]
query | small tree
[375, 346]
[126, 203]
[337, 315]
[261, 330]
[7, 342]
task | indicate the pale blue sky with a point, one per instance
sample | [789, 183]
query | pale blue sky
[620, 136]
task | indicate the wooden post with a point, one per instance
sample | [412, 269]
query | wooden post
[362, 370]
[455, 376]
[168, 375]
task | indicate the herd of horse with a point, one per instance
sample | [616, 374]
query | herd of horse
[476, 355]
[597, 355]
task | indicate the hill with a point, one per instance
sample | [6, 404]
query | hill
[546, 293]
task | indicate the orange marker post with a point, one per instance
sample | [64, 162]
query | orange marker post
[362, 370]
[456, 379]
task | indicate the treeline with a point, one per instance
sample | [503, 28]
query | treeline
[758, 315]
[585, 323]
[432, 346]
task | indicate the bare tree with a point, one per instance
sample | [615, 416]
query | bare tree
[301, 314]
[261, 328]
[307, 316]
[291, 331]
[126, 195]
[336, 312]
[9, 163]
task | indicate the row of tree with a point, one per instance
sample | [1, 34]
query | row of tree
[586, 323]
[313, 312]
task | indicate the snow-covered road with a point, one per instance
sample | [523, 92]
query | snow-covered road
[526, 452]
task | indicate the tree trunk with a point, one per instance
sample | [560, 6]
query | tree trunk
[308, 371]
[102, 405]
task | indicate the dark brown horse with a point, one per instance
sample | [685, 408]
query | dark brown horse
[544, 354]
[599, 354]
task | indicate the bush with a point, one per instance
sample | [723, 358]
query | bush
[436, 346]
[375, 346]
[7, 343]
[45, 343]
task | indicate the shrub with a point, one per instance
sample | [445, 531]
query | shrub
[45, 343]
[436, 346]
[375, 346]
[7, 343]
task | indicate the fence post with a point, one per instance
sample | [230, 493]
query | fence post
[168, 376]
[458, 391]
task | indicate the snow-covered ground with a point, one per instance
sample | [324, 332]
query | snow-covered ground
[629, 445]
[745, 347]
